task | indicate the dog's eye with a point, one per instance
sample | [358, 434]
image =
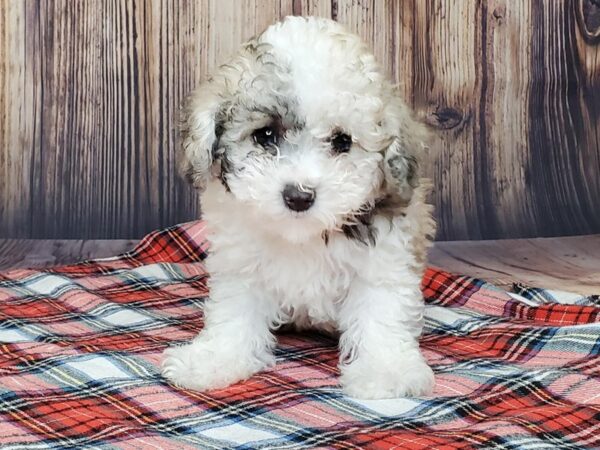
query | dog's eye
[265, 136]
[341, 142]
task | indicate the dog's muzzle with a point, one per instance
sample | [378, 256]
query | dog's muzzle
[298, 198]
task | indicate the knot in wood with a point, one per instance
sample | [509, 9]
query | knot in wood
[588, 19]
[446, 118]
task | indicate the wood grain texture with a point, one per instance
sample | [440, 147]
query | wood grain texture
[90, 93]
[89, 112]
[40, 253]
[564, 141]
[570, 263]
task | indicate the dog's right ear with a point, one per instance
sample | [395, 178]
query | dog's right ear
[403, 158]
[201, 130]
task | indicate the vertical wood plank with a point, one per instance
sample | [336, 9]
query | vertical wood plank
[565, 119]
[504, 118]
[448, 83]
[587, 36]
[19, 116]
[393, 41]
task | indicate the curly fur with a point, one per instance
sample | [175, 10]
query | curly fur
[351, 263]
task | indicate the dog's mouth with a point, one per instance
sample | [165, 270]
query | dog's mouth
[299, 214]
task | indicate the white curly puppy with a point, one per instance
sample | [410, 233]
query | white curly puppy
[308, 160]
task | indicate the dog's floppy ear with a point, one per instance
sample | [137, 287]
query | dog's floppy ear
[200, 131]
[404, 157]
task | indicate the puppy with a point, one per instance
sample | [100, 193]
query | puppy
[308, 161]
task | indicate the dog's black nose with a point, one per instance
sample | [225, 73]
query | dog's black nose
[298, 198]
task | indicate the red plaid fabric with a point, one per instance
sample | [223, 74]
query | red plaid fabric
[80, 349]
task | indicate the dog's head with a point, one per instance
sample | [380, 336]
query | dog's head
[302, 127]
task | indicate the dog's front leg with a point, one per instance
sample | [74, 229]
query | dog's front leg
[380, 356]
[235, 343]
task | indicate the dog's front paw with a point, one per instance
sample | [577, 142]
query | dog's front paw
[178, 367]
[370, 379]
[198, 366]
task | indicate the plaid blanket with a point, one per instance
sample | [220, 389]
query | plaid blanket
[80, 349]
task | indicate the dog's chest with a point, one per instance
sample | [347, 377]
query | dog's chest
[309, 281]
[302, 282]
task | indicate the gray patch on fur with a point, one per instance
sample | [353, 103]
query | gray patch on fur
[405, 174]
[404, 169]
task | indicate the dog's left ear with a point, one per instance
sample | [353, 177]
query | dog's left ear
[404, 157]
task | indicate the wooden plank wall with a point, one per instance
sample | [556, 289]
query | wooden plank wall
[90, 89]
